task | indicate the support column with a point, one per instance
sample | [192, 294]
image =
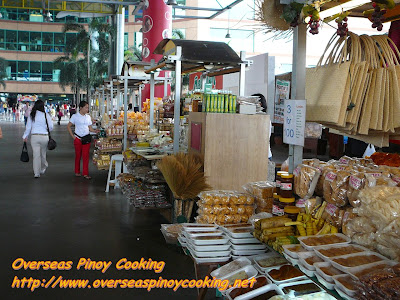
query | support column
[242, 74]
[298, 84]
[157, 25]
[120, 41]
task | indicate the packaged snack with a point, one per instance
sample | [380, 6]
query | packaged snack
[324, 169]
[336, 186]
[305, 180]
[356, 184]
[260, 189]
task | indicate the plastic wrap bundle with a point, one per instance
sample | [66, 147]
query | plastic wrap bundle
[378, 221]
[224, 207]
[263, 192]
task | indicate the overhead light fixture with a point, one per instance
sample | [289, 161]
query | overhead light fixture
[228, 36]
[209, 67]
[342, 8]
[1, 15]
[172, 2]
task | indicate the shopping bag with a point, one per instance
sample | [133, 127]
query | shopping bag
[24, 154]
[369, 151]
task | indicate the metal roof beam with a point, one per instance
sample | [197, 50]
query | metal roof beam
[221, 11]
[107, 2]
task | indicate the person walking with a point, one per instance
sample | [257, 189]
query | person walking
[27, 110]
[83, 127]
[38, 126]
[59, 114]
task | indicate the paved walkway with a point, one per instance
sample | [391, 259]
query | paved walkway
[60, 217]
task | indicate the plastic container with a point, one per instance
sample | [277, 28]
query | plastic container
[233, 266]
[200, 228]
[257, 292]
[339, 285]
[292, 212]
[204, 260]
[285, 287]
[321, 280]
[309, 273]
[257, 246]
[346, 240]
[239, 233]
[343, 294]
[182, 242]
[239, 241]
[333, 247]
[247, 252]
[258, 261]
[279, 282]
[306, 255]
[209, 247]
[202, 254]
[209, 240]
[288, 249]
[286, 186]
[327, 277]
[357, 272]
[293, 261]
[249, 270]
[346, 268]
[236, 226]
[193, 234]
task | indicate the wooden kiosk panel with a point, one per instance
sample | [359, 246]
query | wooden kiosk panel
[235, 148]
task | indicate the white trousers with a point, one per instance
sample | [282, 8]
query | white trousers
[39, 148]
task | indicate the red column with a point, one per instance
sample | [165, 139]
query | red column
[157, 25]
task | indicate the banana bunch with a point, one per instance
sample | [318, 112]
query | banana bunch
[312, 223]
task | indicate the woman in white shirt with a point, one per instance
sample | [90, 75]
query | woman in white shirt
[36, 126]
[83, 127]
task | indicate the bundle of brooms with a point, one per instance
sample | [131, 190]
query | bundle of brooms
[184, 174]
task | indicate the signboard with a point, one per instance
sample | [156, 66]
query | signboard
[294, 122]
[195, 82]
[282, 90]
[30, 98]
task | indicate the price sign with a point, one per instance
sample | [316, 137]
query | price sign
[294, 122]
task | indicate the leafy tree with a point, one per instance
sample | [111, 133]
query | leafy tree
[3, 74]
[85, 63]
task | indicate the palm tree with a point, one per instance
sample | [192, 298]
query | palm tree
[3, 74]
[94, 44]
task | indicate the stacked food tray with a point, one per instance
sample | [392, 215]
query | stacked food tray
[267, 284]
[206, 243]
[335, 262]
[242, 241]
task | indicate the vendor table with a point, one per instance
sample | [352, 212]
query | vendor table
[145, 153]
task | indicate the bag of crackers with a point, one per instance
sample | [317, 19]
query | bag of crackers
[305, 180]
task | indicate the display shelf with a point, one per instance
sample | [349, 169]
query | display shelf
[102, 151]
[114, 137]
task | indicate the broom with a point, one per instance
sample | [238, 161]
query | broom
[185, 177]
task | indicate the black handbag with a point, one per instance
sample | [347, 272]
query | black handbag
[51, 145]
[85, 139]
[24, 154]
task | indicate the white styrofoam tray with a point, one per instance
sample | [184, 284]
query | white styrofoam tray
[268, 255]
[203, 260]
[202, 254]
[338, 284]
[247, 252]
[280, 282]
[249, 270]
[258, 292]
[198, 225]
[293, 261]
[302, 259]
[193, 234]
[291, 283]
[325, 276]
[321, 280]
[250, 240]
[224, 247]
[240, 235]
[345, 268]
[353, 271]
[233, 266]
[309, 273]
[302, 238]
[334, 246]
[258, 246]
[288, 250]
[343, 294]
[224, 240]
[236, 226]
[182, 242]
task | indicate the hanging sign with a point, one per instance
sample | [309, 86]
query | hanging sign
[282, 90]
[195, 82]
[294, 122]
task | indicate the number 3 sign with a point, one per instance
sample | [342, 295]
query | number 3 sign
[294, 122]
